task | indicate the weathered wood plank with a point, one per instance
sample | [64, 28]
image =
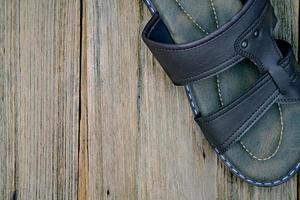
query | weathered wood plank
[288, 29]
[39, 92]
[142, 141]
[9, 49]
[113, 85]
[176, 161]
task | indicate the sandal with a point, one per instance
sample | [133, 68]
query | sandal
[241, 83]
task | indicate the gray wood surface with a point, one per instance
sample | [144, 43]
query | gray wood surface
[87, 113]
[39, 98]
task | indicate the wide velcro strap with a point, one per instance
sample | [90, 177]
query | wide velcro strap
[208, 56]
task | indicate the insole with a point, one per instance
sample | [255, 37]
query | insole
[261, 147]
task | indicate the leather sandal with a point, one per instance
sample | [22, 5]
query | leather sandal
[241, 82]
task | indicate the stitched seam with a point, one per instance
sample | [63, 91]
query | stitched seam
[217, 24]
[190, 97]
[218, 77]
[212, 39]
[215, 13]
[152, 9]
[254, 182]
[278, 145]
[231, 60]
[247, 95]
[235, 57]
[250, 124]
[195, 23]
[252, 56]
[219, 91]
[284, 62]
[213, 68]
[289, 100]
[255, 59]
[190, 17]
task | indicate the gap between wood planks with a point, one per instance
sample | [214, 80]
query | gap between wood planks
[83, 114]
[298, 176]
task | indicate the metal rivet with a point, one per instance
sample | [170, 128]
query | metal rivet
[244, 44]
[256, 33]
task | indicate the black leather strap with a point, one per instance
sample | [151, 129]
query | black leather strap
[231, 122]
[249, 35]
[206, 57]
[262, 49]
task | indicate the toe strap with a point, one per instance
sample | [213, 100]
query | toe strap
[228, 125]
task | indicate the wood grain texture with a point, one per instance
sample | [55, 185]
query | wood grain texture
[39, 95]
[287, 12]
[113, 86]
[143, 143]
[86, 112]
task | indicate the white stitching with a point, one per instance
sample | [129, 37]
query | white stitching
[278, 146]
[150, 6]
[241, 175]
[280, 111]
[215, 13]
[249, 9]
[257, 183]
[271, 100]
[256, 88]
[276, 182]
[292, 172]
[219, 91]
[202, 29]
[286, 177]
[191, 100]
[190, 17]
[218, 77]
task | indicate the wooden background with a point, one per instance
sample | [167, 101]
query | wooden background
[87, 113]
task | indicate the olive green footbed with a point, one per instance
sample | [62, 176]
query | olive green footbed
[269, 153]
